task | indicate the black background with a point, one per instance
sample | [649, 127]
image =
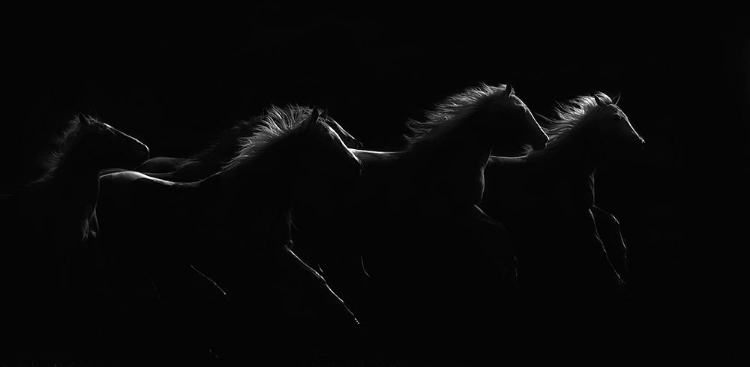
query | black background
[174, 77]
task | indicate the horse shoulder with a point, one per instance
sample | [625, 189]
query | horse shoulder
[125, 194]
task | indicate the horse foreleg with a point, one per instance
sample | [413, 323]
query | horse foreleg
[608, 228]
[315, 284]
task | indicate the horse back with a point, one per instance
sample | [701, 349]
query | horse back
[160, 164]
[134, 200]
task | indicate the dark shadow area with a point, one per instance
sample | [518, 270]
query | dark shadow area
[175, 78]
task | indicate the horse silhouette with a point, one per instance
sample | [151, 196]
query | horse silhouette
[218, 250]
[546, 199]
[46, 253]
[413, 220]
[221, 149]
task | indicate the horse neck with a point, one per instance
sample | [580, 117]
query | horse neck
[577, 152]
[221, 150]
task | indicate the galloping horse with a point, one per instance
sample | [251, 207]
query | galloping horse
[45, 234]
[413, 215]
[588, 132]
[231, 229]
[222, 149]
[219, 152]
[564, 266]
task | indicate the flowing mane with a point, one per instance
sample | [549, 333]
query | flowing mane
[452, 112]
[571, 115]
[61, 145]
[225, 145]
[276, 127]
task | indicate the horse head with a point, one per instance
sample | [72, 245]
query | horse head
[614, 127]
[110, 147]
[346, 137]
[519, 126]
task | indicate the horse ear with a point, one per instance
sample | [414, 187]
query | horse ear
[599, 101]
[509, 89]
[324, 114]
[312, 118]
[616, 100]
